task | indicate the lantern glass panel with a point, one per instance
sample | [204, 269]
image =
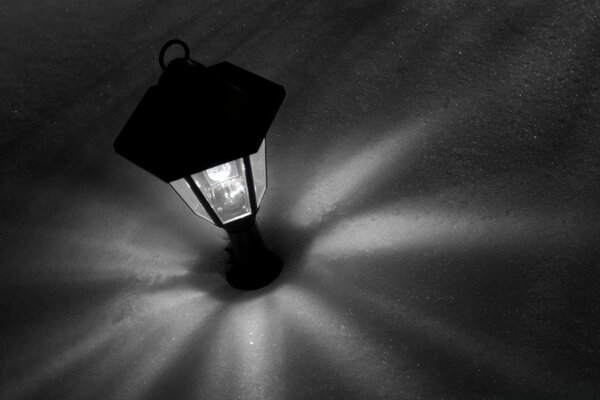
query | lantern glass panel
[226, 190]
[259, 172]
[185, 192]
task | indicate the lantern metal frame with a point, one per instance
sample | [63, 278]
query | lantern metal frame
[252, 197]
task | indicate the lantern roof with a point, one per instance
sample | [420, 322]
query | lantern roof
[198, 117]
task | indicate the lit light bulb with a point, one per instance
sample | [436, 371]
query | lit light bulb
[225, 189]
[229, 197]
[220, 173]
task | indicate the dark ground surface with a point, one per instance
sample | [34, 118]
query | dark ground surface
[434, 181]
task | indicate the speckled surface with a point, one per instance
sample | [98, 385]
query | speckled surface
[433, 192]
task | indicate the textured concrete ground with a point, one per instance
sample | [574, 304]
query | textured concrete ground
[433, 191]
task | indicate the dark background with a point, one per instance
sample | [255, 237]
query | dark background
[433, 192]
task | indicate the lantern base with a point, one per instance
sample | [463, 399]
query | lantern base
[253, 265]
[256, 275]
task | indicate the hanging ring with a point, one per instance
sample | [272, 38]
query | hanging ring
[171, 42]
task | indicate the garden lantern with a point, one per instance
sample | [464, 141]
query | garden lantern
[202, 129]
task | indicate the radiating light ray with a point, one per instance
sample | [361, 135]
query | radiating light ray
[483, 353]
[222, 373]
[251, 348]
[246, 357]
[366, 367]
[77, 256]
[365, 170]
[61, 334]
[109, 370]
[151, 361]
[254, 346]
[155, 306]
[357, 174]
[102, 236]
[399, 228]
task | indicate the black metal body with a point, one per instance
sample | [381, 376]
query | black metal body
[198, 117]
[254, 266]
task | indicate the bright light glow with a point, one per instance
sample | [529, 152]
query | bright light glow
[359, 173]
[253, 343]
[401, 227]
[219, 173]
[245, 357]
[129, 258]
[162, 344]
[225, 188]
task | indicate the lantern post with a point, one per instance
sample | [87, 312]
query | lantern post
[203, 130]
